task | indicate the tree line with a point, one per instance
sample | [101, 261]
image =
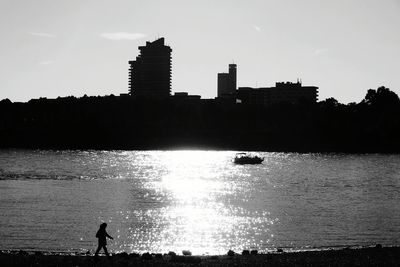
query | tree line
[123, 122]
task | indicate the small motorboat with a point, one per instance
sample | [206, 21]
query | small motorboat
[246, 158]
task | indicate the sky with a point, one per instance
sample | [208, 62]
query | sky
[52, 48]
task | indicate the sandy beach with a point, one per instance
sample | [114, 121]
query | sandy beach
[388, 256]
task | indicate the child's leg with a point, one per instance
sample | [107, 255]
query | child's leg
[97, 252]
[105, 251]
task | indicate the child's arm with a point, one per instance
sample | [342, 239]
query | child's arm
[109, 236]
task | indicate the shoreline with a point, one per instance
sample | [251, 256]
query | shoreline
[277, 250]
[372, 256]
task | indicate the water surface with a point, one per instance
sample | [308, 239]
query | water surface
[162, 201]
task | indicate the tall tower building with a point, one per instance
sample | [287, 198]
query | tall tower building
[150, 73]
[232, 78]
[227, 82]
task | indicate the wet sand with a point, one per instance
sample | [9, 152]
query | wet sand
[389, 256]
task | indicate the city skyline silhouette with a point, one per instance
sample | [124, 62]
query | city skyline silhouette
[74, 48]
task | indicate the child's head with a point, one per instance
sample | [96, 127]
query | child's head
[103, 225]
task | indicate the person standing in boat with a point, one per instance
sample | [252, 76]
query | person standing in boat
[102, 238]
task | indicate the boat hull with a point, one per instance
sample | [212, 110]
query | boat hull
[242, 161]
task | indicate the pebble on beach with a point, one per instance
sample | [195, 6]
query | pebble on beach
[245, 252]
[186, 253]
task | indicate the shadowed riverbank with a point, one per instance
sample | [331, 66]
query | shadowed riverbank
[389, 256]
[128, 123]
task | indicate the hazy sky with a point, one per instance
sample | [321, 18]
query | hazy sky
[56, 48]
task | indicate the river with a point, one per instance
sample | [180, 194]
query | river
[162, 201]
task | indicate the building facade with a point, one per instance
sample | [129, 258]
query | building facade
[226, 85]
[150, 73]
[283, 92]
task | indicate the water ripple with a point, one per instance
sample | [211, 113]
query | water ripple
[198, 200]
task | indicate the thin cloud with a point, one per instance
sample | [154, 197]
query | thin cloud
[321, 51]
[46, 62]
[42, 34]
[257, 28]
[118, 36]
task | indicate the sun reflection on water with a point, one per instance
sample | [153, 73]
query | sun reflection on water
[196, 218]
[199, 219]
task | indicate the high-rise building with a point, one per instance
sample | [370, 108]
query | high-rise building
[150, 73]
[227, 82]
[232, 78]
[223, 81]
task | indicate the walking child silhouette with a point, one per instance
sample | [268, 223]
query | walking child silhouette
[102, 237]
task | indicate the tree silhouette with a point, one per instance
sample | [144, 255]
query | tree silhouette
[120, 122]
[382, 97]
